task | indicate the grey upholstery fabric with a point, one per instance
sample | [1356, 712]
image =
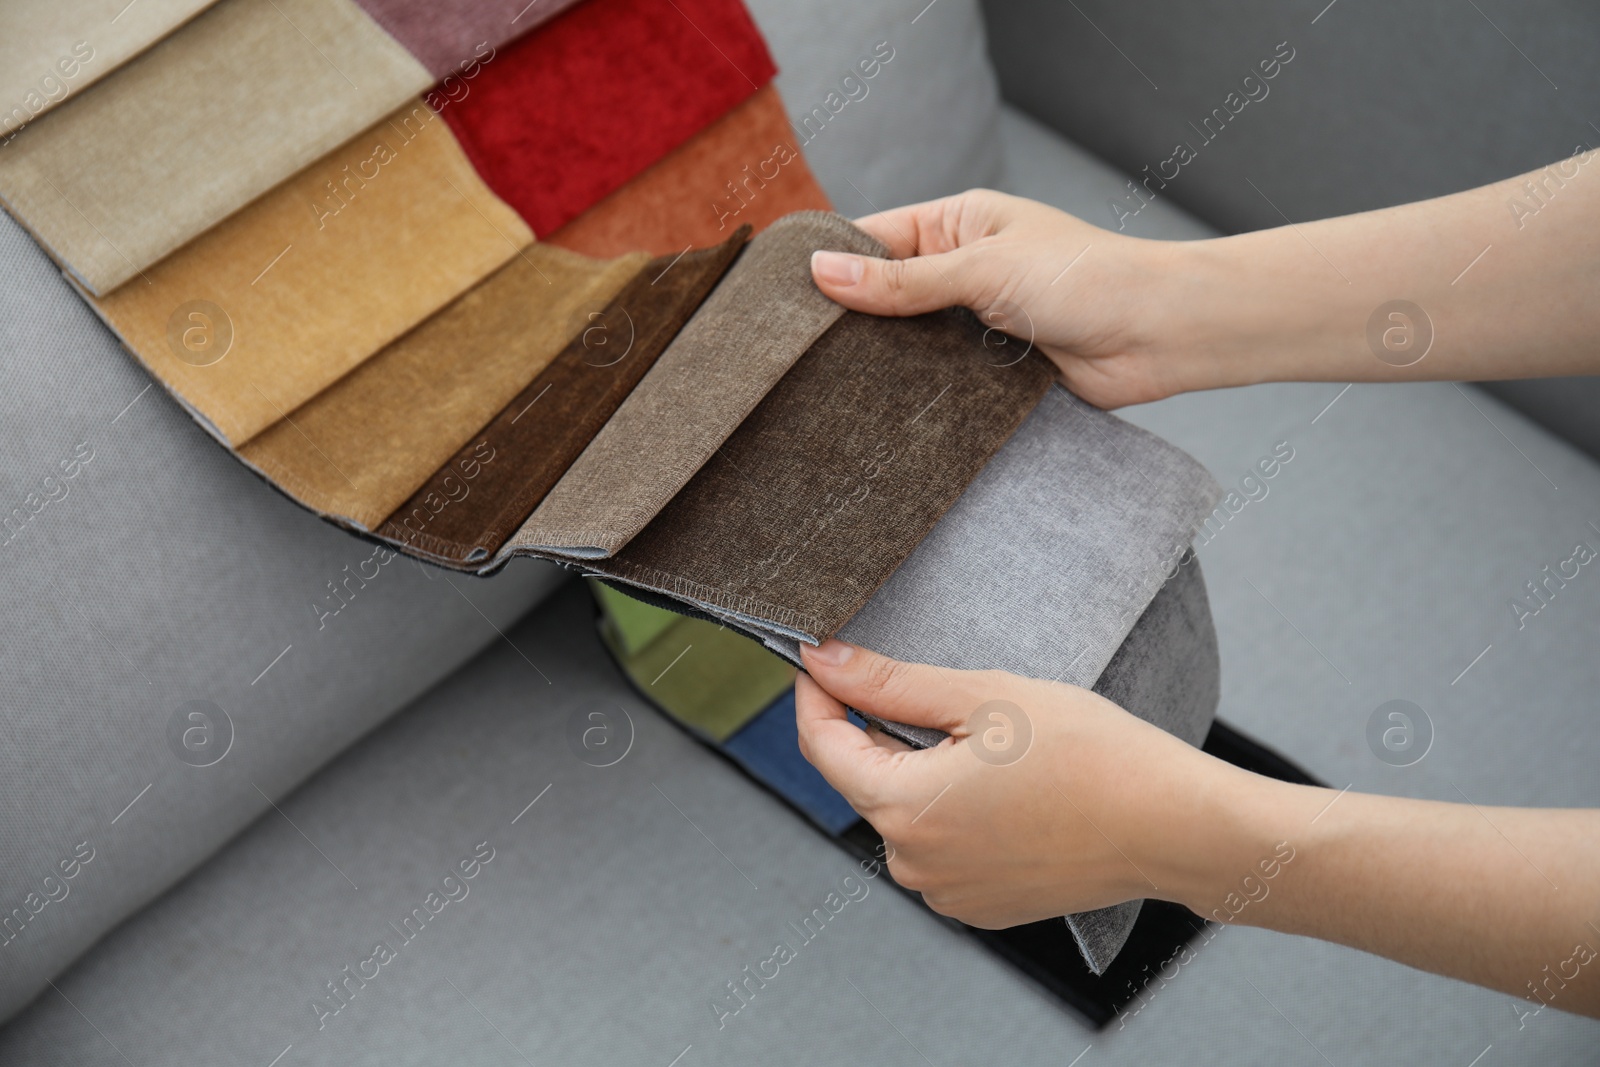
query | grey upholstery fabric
[142, 568]
[923, 126]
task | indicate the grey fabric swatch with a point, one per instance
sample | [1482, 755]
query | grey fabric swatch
[1043, 567]
[145, 569]
[747, 334]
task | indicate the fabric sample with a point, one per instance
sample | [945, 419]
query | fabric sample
[708, 677]
[744, 338]
[275, 304]
[1168, 673]
[837, 474]
[50, 50]
[567, 115]
[536, 436]
[769, 748]
[742, 169]
[361, 447]
[1043, 567]
[448, 36]
[242, 97]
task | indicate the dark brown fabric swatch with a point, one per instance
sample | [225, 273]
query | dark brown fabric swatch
[838, 473]
[536, 437]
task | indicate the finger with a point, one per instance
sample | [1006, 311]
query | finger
[834, 745]
[913, 230]
[893, 286]
[914, 693]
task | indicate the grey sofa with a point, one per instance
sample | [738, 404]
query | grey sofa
[403, 772]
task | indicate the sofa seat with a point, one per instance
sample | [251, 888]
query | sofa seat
[608, 908]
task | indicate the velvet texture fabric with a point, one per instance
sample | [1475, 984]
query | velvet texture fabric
[449, 35]
[744, 338]
[838, 473]
[536, 437]
[259, 315]
[742, 169]
[567, 115]
[358, 449]
[242, 97]
[50, 51]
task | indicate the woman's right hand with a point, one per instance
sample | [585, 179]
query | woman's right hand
[1085, 297]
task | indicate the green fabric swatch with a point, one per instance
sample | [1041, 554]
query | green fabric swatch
[704, 675]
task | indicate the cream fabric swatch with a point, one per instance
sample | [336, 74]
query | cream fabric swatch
[359, 449]
[242, 97]
[301, 286]
[50, 50]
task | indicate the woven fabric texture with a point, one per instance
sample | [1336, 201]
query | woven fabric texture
[743, 169]
[50, 51]
[745, 337]
[536, 437]
[838, 473]
[359, 448]
[450, 36]
[567, 115]
[281, 300]
[239, 99]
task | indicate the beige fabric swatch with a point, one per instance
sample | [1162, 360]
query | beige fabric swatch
[747, 334]
[50, 50]
[359, 449]
[301, 286]
[242, 97]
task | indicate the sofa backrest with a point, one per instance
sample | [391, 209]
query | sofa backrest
[1375, 104]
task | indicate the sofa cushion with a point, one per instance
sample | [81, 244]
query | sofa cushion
[889, 105]
[164, 610]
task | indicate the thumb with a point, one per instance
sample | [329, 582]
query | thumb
[892, 286]
[914, 693]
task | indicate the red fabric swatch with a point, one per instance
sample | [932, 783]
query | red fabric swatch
[569, 113]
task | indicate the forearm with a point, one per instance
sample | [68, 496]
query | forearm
[1507, 290]
[1503, 897]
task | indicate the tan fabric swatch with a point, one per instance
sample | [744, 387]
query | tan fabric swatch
[305, 283]
[50, 50]
[747, 334]
[360, 448]
[242, 97]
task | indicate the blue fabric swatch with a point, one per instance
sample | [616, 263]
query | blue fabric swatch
[768, 746]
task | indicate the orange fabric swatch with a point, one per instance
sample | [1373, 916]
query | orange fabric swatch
[743, 168]
[280, 300]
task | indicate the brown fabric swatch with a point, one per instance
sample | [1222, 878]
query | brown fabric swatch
[742, 169]
[358, 449]
[747, 334]
[459, 519]
[276, 303]
[838, 474]
[236, 101]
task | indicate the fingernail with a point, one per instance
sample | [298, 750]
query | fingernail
[837, 268]
[833, 653]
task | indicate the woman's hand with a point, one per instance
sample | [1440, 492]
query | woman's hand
[1078, 293]
[1046, 800]
[1457, 288]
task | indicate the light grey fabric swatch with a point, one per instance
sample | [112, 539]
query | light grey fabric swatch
[1043, 567]
[144, 569]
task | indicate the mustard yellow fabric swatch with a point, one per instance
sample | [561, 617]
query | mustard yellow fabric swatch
[359, 449]
[293, 292]
[50, 50]
[239, 99]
